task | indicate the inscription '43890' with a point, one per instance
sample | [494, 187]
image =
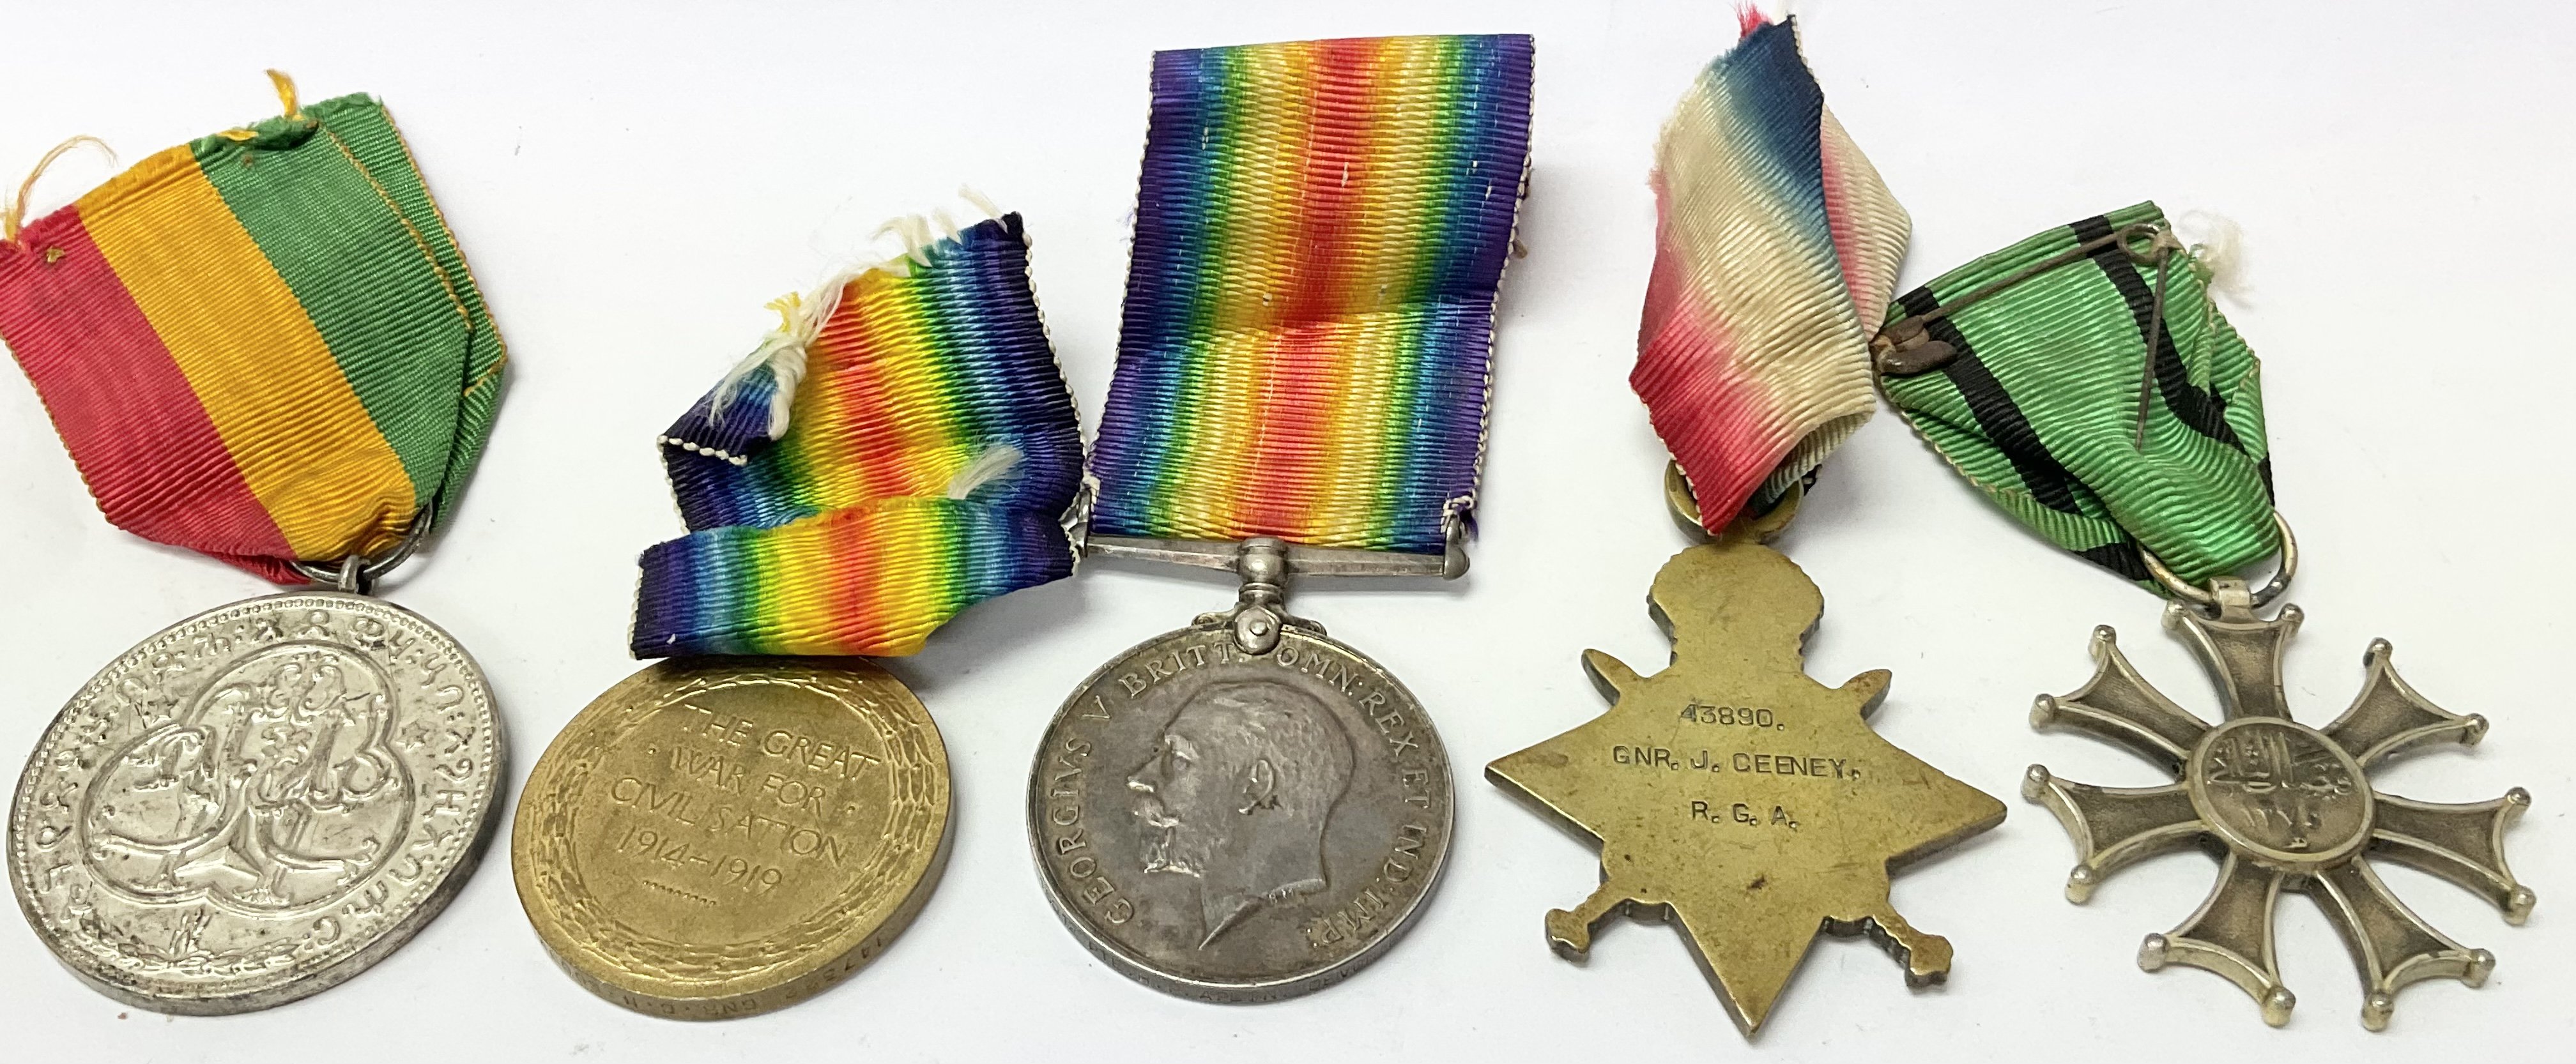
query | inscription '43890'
[1737, 796]
[1737, 716]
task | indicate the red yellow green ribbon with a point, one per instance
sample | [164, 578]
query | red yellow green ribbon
[264, 345]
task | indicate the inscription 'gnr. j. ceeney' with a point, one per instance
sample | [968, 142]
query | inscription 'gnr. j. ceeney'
[1734, 793]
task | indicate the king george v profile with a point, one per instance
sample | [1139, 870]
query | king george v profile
[1237, 795]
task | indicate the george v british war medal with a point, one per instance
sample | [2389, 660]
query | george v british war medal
[263, 346]
[2085, 380]
[753, 818]
[1246, 809]
[1730, 792]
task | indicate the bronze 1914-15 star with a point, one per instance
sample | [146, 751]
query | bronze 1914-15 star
[2285, 806]
[1734, 793]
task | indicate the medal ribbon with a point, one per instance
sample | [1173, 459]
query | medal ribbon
[2042, 408]
[1775, 242]
[902, 448]
[1307, 345]
[262, 346]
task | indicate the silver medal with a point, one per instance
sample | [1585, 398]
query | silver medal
[256, 803]
[1242, 810]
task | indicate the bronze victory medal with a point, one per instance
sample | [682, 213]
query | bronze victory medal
[257, 803]
[1236, 826]
[716, 837]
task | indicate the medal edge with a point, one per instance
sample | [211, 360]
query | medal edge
[294, 987]
[1237, 992]
[809, 979]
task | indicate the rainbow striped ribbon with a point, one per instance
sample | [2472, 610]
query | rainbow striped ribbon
[902, 448]
[263, 346]
[1320, 230]
[1776, 250]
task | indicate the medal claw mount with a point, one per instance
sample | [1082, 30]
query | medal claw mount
[2286, 806]
[1261, 612]
[1297, 559]
[1265, 563]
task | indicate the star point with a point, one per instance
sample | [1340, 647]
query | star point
[1738, 796]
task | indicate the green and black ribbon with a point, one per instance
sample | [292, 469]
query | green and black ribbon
[2092, 388]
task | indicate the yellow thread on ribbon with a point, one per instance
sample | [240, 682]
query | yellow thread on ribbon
[285, 87]
[787, 306]
[286, 93]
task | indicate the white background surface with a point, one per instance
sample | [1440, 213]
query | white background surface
[633, 180]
